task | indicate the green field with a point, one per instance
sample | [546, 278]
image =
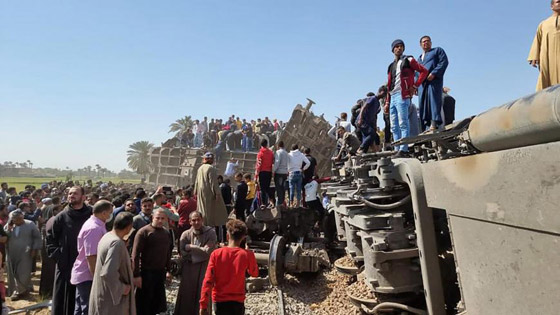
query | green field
[20, 182]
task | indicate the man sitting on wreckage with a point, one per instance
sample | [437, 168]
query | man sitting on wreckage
[348, 142]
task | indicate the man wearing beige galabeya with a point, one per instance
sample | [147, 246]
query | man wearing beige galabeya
[545, 52]
[209, 196]
[112, 289]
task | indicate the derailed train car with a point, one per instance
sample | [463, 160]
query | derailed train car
[469, 225]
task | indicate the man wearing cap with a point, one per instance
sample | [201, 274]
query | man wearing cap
[209, 197]
[24, 240]
[401, 87]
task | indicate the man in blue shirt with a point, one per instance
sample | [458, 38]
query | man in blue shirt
[367, 121]
[430, 91]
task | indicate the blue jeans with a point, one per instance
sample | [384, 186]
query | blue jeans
[246, 143]
[197, 140]
[399, 119]
[295, 179]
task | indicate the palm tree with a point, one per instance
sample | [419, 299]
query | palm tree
[181, 125]
[98, 168]
[30, 164]
[138, 157]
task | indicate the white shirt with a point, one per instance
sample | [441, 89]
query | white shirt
[201, 128]
[311, 191]
[346, 124]
[230, 168]
[397, 78]
[295, 160]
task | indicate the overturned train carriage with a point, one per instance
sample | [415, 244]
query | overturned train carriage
[176, 165]
[468, 226]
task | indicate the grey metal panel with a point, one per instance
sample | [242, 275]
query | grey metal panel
[506, 270]
[519, 187]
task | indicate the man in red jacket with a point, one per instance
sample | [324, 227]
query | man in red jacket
[225, 274]
[402, 88]
[263, 173]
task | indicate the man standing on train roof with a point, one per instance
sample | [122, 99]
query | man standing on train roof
[402, 87]
[430, 92]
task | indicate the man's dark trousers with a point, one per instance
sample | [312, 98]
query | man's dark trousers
[280, 183]
[264, 183]
[368, 137]
[229, 308]
[82, 298]
[64, 294]
[387, 129]
[151, 299]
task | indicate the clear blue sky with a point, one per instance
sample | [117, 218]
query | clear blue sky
[81, 80]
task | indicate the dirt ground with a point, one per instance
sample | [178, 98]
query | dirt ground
[33, 298]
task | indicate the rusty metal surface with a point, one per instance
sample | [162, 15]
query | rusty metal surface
[166, 164]
[178, 166]
[533, 119]
[308, 130]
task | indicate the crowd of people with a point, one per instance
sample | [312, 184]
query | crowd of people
[107, 247]
[406, 77]
[234, 133]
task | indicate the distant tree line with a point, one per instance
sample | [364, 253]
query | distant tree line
[9, 168]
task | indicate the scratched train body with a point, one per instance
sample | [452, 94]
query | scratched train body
[469, 225]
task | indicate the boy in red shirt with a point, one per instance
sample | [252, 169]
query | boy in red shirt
[225, 275]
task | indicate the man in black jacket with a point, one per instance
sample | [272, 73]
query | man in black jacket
[225, 188]
[354, 118]
[240, 196]
[62, 246]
